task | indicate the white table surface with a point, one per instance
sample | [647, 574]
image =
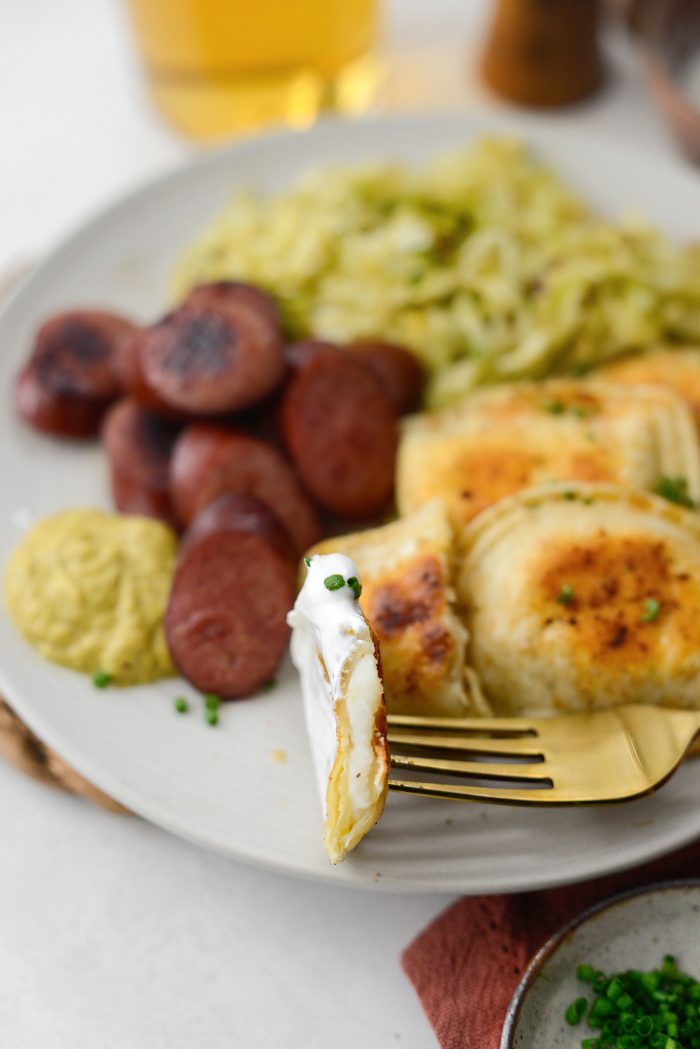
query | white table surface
[114, 935]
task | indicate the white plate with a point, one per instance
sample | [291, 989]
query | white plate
[631, 931]
[220, 787]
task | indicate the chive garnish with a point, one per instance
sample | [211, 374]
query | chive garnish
[212, 717]
[555, 407]
[211, 701]
[576, 1011]
[355, 585]
[101, 679]
[675, 490]
[652, 607]
[334, 582]
[181, 705]
[638, 1010]
[307, 562]
[565, 595]
[270, 684]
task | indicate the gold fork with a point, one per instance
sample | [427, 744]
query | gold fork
[570, 759]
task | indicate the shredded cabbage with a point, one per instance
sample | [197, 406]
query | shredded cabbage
[483, 262]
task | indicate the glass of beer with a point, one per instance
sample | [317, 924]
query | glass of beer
[216, 67]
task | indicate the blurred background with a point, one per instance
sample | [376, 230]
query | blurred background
[99, 94]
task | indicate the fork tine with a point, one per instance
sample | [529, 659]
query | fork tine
[476, 769]
[481, 725]
[459, 792]
[525, 747]
[541, 794]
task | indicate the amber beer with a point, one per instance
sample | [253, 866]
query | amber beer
[219, 66]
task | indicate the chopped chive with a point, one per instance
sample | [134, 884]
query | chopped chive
[307, 561]
[270, 684]
[211, 701]
[675, 490]
[355, 585]
[181, 705]
[636, 1010]
[555, 407]
[569, 495]
[652, 607]
[565, 595]
[101, 679]
[334, 582]
[212, 717]
[615, 989]
[576, 1011]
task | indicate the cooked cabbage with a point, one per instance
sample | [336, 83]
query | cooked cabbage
[483, 262]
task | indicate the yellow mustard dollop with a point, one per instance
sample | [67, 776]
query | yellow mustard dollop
[89, 590]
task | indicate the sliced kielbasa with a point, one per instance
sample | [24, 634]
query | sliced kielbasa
[135, 384]
[399, 371]
[236, 512]
[220, 351]
[74, 372]
[139, 446]
[340, 430]
[226, 621]
[222, 293]
[301, 354]
[401, 374]
[210, 460]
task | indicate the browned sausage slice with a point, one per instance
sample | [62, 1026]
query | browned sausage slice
[226, 621]
[340, 430]
[399, 371]
[219, 352]
[209, 461]
[135, 384]
[139, 446]
[74, 372]
[222, 293]
[301, 354]
[236, 512]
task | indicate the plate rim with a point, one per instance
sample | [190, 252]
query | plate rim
[552, 945]
[472, 122]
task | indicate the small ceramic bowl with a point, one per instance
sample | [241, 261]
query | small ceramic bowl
[671, 46]
[634, 930]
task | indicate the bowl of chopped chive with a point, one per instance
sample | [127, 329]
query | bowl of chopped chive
[623, 975]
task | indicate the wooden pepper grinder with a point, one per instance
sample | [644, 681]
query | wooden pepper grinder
[544, 52]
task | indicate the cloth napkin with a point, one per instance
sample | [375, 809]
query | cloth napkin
[466, 965]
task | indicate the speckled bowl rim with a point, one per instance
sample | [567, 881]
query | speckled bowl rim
[554, 942]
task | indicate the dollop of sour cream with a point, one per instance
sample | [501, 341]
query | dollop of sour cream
[328, 625]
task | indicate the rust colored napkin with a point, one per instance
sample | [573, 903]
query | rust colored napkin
[466, 965]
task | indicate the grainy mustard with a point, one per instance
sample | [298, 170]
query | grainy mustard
[89, 589]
